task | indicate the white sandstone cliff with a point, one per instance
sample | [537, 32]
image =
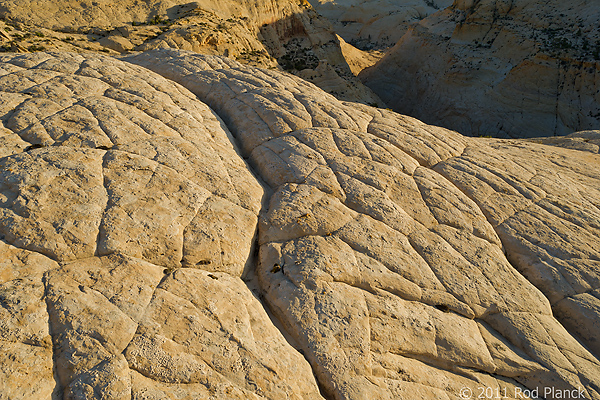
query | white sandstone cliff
[506, 68]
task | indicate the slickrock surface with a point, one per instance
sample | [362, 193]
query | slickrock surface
[391, 275]
[402, 260]
[375, 23]
[584, 141]
[124, 239]
[519, 68]
[285, 34]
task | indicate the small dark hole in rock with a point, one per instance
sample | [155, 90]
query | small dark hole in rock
[166, 271]
[81, 288]
[103, 148]
[276, 268]
[33, 147]
[442, 307]
[212, 276]
[203, 262]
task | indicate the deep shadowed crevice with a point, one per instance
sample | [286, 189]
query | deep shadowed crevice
[58, 392]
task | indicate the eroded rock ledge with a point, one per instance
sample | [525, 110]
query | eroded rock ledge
[404, 260]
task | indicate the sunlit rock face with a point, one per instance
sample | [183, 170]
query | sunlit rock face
[127, 220]
[522, 68]
[182, 226]
[286, 34]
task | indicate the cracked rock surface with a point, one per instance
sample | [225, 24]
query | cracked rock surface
[127, 221]
[401, 260]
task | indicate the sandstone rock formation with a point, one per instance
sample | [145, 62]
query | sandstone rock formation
[401, 260]
[283, 34]
[519, 68]
[127, 221]
[358, 59]
[212, 27]
[584, 140]
[372, 24]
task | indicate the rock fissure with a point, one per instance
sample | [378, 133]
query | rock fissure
[58, 389]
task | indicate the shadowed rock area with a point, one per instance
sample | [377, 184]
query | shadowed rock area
[399, 260]
[369, 24]
[502, 68]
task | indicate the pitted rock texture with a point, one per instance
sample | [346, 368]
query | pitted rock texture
[402, 260]
[512, 69]
[127, 221]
